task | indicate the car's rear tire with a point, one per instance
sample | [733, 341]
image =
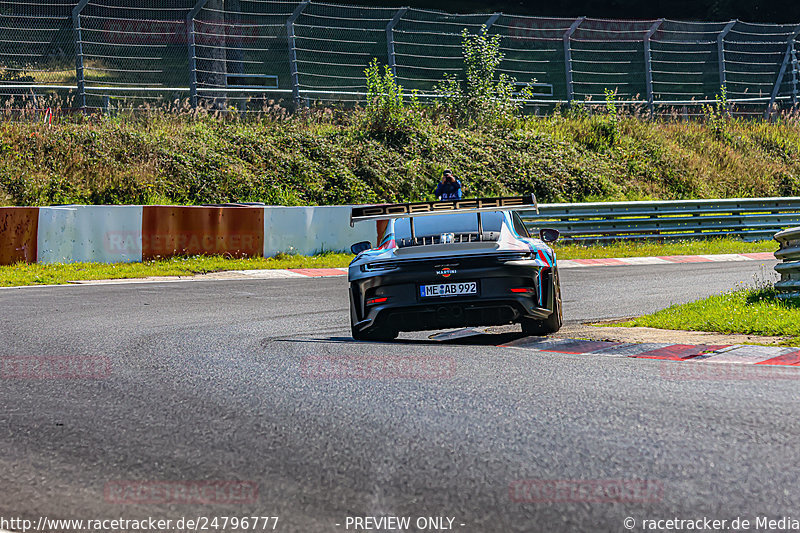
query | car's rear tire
[375, 334]
[534, 327]
[371, 334]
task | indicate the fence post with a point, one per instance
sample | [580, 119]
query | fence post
[34, 105]
[193, 50]
[794, 75]
[648, 65]
[390, 38]
[489, 23]
[293, 50]
[787, 56]
[721, 52]
[76, 26]
[568, 56]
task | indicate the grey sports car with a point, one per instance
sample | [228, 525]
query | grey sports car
[452, 264]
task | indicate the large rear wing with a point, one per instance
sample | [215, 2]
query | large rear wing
[443, 207]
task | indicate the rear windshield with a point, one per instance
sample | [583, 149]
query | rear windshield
[455, 223]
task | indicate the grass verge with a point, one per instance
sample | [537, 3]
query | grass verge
[56, 274]
[753, 311]
[44, 274]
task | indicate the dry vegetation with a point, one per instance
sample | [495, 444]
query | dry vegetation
[328, 156]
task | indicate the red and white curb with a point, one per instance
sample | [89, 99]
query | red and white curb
[706, 353]
[664, 260]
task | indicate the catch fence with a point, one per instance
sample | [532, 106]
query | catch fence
[248, 52]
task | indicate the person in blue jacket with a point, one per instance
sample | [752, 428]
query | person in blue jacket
[449, 188]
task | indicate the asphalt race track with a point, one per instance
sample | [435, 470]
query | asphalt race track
[207, 382]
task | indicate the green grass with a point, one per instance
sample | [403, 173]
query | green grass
[725, 245]
[755, 311]
[42, 274]
[329, 156]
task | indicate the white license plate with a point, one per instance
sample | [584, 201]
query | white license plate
[449, 289]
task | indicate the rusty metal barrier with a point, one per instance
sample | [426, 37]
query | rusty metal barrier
[18, 234]
[183, 230]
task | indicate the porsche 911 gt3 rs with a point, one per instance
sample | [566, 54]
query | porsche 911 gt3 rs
[451, 264]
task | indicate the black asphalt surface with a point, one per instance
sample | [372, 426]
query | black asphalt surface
[207, 382]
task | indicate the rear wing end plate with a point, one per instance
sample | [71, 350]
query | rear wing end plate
[362, 213]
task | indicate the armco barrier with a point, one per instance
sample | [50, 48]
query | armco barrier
[18, 229]
[789, 269]
[747, 218]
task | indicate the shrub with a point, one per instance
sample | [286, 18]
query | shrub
[717, 115]
[482, 97]
[388, 116]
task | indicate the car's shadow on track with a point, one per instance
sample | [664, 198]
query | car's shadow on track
[465, 337]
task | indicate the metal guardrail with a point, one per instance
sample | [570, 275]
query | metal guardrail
[789, 269]
[748, 218]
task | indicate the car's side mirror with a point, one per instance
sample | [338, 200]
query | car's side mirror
[359, 247]
[549, 234]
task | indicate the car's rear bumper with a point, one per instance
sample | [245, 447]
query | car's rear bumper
[451, 315]
[406, 310]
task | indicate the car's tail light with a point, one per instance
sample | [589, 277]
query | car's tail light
[521, 290]
[379, 300]
[514, 256]
[379, 265]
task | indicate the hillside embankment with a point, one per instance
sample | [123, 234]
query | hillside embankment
[330, 158]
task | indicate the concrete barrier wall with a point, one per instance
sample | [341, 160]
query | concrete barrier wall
[308, 230]
[90, 233]
[113, 234]
[119, 234]
[18, 230]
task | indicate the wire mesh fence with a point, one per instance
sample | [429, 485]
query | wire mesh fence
[36, 43]
[239, 48]
[333, 46]
[244, 53]
[130, 50]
